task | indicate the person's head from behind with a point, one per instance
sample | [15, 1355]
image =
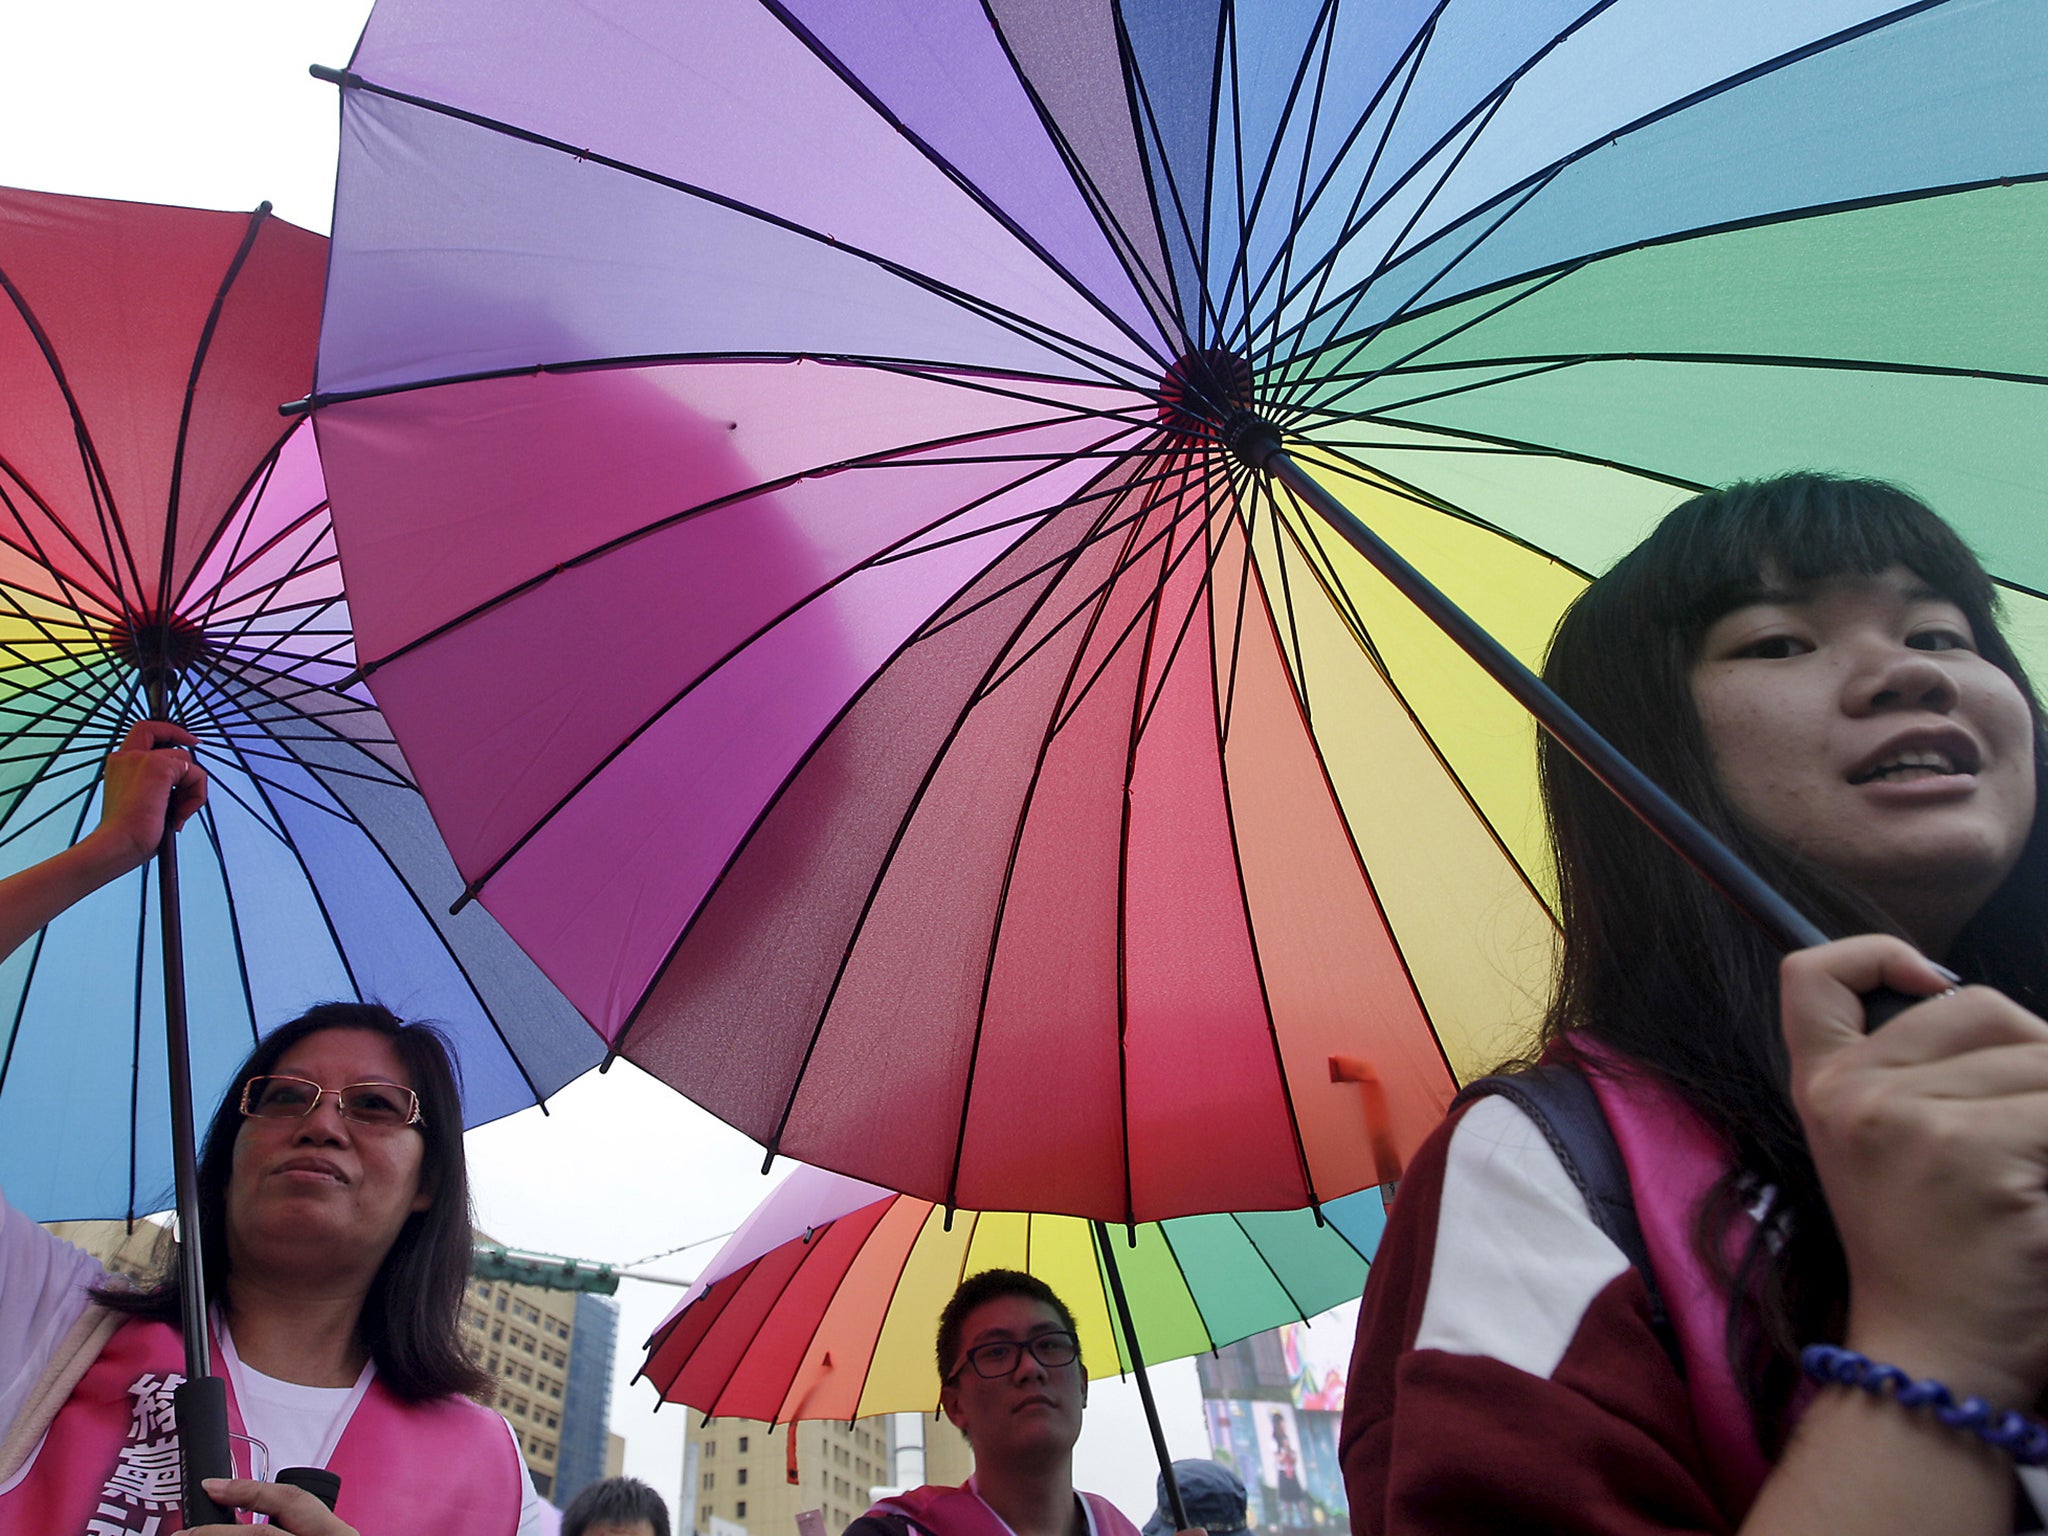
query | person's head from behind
[337, 1152]
[1211, 1495]
[1813, 667]
[616, 1506]
[1010, 1370]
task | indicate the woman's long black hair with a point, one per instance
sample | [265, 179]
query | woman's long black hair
[411, 1319]
[1658, 967]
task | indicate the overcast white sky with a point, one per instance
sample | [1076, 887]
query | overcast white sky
[208, 103]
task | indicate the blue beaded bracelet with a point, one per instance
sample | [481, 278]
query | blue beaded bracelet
[2022, 1438]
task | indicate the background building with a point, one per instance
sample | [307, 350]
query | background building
[737, 1470]
[587, 1401]
[523, 1334]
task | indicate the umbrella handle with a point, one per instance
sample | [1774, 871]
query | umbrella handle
[201, 1410]
[1104, 1247]
[1386, 1157]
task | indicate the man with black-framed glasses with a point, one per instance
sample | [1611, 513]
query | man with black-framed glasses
[1011, 1380]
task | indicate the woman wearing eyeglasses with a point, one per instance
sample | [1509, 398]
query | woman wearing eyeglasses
[334, 1208]
[1011, 1381]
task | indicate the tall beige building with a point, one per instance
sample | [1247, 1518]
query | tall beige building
[522, 1335]
[737, 1471]
[947, 1458]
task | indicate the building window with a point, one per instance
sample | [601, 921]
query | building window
[543, 1484]
[739, 1510]
[711, 1447]
[743, 1477]
[503, 1301]
[710, 1479]
[743, 1445]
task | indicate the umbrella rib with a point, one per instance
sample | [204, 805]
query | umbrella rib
[1755, 72]
[1269, 1266]
[476, 885]
[264, 790]
[908, 453]
[1468, 128]
[209, 826]
[1158, 168]
[1347, 610]
[1407, 69]
[1239, 275]
[1207, 472]
[235, 692]
[73, 596]
[874, 888]
[135, 1041]
[120, 561]
[1106, 365]
[1240, 490]
[242, 519]
[1325, 30]
[1160, 301]
[1244, 901]
[200, 350]
[1226, 67]
[1537, 362]
[974, 193]
[1357, 293]
[35, 955]
[1150, 608]
[1165, 1231]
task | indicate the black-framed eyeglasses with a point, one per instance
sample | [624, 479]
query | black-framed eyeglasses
[294, 1098]
[999, 1357]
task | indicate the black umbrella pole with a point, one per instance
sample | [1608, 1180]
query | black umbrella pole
[200, 1405]
[1258, 446]
[1107, 1249]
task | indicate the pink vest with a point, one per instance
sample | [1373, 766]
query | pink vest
[1673, 1160]
[961, 1512]
[446, 1466]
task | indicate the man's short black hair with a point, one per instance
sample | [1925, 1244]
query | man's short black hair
[615, 1501]
[988, 1285]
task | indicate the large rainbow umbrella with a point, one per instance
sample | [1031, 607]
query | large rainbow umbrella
[808, 478]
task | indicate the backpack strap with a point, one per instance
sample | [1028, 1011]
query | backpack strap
[1561, 1102]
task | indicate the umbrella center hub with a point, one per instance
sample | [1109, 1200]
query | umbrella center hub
[1203, 390]
[153, 642]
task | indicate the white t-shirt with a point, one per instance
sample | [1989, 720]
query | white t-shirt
[43, 1286]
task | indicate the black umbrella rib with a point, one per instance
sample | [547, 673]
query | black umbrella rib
[886, 458]
[1224, 66]
[242, 519]
[35, 957]
[199, 355]
[475, 886]
[1269, 1266]
[1540, 362]
[1158, 168]
[1326, 30]
[1250, 523]
[264, 790]
[225, 685]
[1354, 620]
[1165, 1231]
[1239, 275]
[953, 174]
[1106, 365]
[1150, 609]
[875, 886]
[240, 950]
[1467, 128]
[1364, 879]
[1707, 231]
[1214, 552]
[32, 546]
[1356, 295]
[1251, 932]
[1669, 109]
[121, 561]
[1159, 300]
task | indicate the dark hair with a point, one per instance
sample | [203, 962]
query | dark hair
[411, 1318]
[1658, 966]
[615, 1501]
[992, 1285]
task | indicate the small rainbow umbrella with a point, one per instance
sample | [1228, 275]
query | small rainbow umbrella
[823, 1304]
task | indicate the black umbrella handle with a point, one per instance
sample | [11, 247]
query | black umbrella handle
[201, 1410]
[1105, 1247]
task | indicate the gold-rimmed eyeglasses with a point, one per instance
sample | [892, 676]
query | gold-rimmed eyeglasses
[294, 1098]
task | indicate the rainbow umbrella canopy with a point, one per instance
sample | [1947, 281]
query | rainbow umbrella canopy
[823, 1304]
[159, 518]
[792, 462]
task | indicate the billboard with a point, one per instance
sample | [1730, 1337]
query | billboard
[1272, 1405]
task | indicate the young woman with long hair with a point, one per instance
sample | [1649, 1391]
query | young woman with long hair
[1814, 667]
